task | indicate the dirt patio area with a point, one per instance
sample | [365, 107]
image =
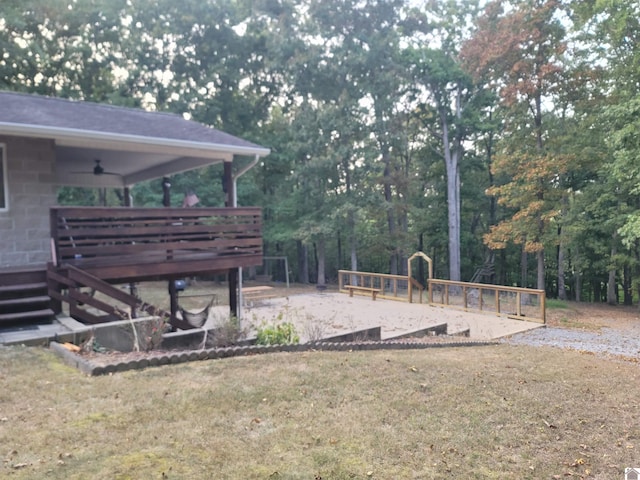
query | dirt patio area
[316, 315]
[322, 315]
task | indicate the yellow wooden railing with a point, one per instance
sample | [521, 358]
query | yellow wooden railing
[513, 302]
[391, 287]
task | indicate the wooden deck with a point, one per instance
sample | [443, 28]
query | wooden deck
[94, 247]
[138, 244]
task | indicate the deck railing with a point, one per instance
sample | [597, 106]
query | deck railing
[392, 287]
[94, 237]
[513, 302]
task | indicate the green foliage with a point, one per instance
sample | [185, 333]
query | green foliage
[556, 304]
[278, 334]
[387, 120]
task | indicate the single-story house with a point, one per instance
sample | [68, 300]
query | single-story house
[49, 142]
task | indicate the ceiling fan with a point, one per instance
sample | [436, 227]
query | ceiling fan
[99, 170]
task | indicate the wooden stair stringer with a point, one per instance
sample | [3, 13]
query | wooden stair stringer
[73, 279]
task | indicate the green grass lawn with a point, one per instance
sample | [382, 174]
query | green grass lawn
[500, 412]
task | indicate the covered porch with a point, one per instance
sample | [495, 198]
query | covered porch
[47, 143]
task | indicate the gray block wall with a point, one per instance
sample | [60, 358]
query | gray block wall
[24, 228]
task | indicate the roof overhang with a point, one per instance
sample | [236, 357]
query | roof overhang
[129, 159]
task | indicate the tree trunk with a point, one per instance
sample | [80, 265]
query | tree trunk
[540, 256]
[524, 268]
[451, 159]
[393, 261]
[303, 262]
[321, 280]
[402, 256]
[353, 246]
[385, 150]
[611, 288]
[627, 286]
[597, 290]
[501, 274]
[421, 273]
[539, 145]
[562, 292]
[339, 253]
[611, 283]
[351, 227]
[354, 255]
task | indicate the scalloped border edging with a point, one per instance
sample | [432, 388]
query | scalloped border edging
[88, 367]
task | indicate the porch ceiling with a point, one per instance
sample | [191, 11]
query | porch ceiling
[75, 164]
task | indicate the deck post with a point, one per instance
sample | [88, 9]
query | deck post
[229, 200]
[173, 298]
[233, 292]
[127, 201]
[173, 292]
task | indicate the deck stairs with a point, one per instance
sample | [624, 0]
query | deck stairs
[93, 301]
[24, 298]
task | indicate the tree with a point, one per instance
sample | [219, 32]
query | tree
[62, 49]
[521, 51]
[448, 102]
[616, 27]
[362, 56]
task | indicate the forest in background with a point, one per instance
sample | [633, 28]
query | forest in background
[501, 138]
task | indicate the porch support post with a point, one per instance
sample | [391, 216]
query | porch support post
[228, 184]
[166, 192]
[233, 292]
[173, 292]
[230, 195]
[126, 198]
[173, 298]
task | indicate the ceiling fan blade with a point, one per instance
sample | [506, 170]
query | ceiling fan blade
[98, 170]
[89, 172]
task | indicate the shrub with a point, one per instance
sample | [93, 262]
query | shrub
[226, 333]
[280, 334]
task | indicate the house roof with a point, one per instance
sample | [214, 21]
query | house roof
[134, 143]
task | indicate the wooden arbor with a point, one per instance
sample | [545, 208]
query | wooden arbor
[413, 283]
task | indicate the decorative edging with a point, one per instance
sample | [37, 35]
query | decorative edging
[86, 366]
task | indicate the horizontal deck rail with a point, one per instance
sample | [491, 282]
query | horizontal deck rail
[161, 241]
[391, 287]
[512, 302]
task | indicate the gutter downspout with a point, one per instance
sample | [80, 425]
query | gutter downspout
[235, 204]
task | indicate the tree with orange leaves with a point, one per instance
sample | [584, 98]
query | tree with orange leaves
[519, 51]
